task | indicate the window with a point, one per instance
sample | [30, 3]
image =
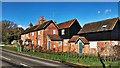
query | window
[38, 32]
[65, 43]
[54, 46]
[32, 33]
[54, 31]
[38, 42]
[63, 31]
[93, 44]
[32, 42]
[26, 35]
[59, 43]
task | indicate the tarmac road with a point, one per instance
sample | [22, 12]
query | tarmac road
[14, 60]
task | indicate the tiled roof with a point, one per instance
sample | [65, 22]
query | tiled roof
[54, 37]
[30, 29]
[66, 24]
[38, 27]
[45, 24]
[42, 26]
[104, 25]
[75, 38]
[84, 40]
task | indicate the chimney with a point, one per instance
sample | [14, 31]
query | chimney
[30, 25]
[41, 20]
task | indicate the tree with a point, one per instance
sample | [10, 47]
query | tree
[10, 31]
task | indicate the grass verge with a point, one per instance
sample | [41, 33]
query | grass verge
[90, 61]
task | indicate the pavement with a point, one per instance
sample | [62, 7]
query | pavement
[11, 59]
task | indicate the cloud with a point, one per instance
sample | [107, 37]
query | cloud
[99, 12]
[107, 11]
[22, 26]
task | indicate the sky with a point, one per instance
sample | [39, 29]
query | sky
[22, 13]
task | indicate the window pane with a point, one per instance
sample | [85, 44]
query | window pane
[38, 32]
[38, 42]
[32, 33]
[54, 31]
[63, 32]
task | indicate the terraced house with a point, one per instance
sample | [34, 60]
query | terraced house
[51, 36]
[69, 36]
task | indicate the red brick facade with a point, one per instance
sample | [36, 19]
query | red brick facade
[39, 38]
[55, 46]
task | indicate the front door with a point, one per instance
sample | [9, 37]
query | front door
[48, 45]
[80, 47]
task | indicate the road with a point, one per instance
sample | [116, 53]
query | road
[14, 60]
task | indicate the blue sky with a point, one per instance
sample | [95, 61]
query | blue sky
[22, 13]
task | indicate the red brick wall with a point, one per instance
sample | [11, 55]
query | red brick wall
[66, 45]
[40, 37]
[58, 47]
[75, 48]
[48, 30]
[101, 47]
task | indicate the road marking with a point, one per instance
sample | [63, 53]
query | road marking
[23, 64]
[5, 58]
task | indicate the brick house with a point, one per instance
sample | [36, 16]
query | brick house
[66, 30]
[79, 44]
[38, 33]
[102, 34]
[45, 29]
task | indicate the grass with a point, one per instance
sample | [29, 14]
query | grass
[72, 58]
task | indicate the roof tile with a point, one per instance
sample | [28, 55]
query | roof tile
[66, 24]
[54, 37]
[98, 26]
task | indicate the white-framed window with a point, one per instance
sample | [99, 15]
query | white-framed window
[59, 42]
[63, 31]
[32, 33]
[32, 42]
[54, 31]
[65, 43]
[93, 44]
[54, 46]
[38, 32]
[38, 42]
[26, 35]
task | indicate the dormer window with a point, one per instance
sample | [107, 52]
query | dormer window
[104, 26]
[63, 31]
